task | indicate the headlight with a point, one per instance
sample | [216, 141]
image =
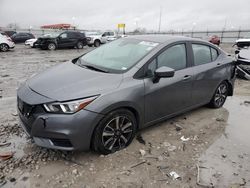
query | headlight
[68, 107]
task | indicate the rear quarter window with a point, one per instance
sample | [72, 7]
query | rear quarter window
[214, 54]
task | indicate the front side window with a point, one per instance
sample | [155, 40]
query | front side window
[64, 36]
[202, 54]
[119, 55]
[174, 57]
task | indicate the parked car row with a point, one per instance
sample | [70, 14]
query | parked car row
[66, 39]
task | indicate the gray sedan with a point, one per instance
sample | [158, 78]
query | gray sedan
[101, 99]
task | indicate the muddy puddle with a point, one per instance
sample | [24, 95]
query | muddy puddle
[226, 163]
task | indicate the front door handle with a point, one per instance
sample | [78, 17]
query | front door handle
[187, 77]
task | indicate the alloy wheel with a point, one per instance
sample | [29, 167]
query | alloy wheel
[51, 46]
[79, 45]
[221, 95]
[117, 133]
[4, 47]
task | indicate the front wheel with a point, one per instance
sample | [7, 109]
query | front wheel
[220, 96]
[115, 132]
[97, 43]
[4, 47]
[51, 46]
[79, 45]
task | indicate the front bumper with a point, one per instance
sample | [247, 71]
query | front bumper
[58, 131]
[11, 45]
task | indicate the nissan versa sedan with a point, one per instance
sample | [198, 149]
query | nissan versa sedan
[99, 100]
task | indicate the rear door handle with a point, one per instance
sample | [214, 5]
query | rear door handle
[187, 77]
[218, 64]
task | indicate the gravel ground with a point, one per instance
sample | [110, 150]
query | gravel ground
[216, 148]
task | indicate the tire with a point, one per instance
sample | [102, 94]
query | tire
[220, 95]
[79, 45]
[4, 47]
[115, 132]
[51, 46]
[97, 43]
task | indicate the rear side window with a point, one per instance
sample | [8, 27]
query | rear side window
[214, 54]
[202, 54]
[174, 57]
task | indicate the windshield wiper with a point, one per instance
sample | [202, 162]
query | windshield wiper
[94, 68]
[90, 66]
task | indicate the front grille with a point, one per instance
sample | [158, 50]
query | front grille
[25, 109]
[61, 142]
[39, 41]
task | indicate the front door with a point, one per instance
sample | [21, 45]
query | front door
[169, 95]
[63, 40]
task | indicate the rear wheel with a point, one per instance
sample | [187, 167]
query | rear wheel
[97, 43]
[79, 45]
[51, 46]
[115, 132]
[4, 47]
[220, 96]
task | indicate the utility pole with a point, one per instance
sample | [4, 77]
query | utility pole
[159, 28]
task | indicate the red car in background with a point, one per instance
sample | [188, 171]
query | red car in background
[214, 39]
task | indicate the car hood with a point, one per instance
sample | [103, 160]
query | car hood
[31, 40]
[68, 81]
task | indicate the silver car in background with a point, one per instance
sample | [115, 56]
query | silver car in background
[101, 99]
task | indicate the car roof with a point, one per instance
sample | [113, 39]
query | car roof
[163, 38]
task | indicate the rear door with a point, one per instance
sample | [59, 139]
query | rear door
[209, 72]
[169, 95]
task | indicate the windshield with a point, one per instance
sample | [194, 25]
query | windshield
[119, 55]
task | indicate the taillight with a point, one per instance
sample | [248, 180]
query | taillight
[9, 39]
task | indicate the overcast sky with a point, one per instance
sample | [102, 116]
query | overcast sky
[106, 14]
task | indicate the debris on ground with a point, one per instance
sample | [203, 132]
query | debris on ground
[223, 155]
[6, 155]
[140, 139]
[2, 182]
[138, 164]
[178, 127]
[142, 152]
[174, 175]
[220, 119]
[198, 179]
[75, 172]
[5, 144]
[183, 139]
[246, 102]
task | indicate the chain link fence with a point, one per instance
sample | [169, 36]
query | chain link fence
[226, 36]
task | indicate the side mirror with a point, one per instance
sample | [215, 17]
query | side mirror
[163, 72]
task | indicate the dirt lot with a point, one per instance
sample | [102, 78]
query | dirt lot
[215, 153]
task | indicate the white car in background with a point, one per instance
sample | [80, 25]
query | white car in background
[110, 35]
[30, 42]
[6, 43]
[95, 38]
